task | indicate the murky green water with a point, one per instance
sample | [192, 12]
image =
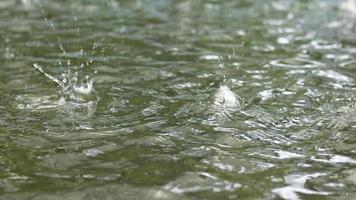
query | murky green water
[177, 99]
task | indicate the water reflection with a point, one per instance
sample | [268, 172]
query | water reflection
[177, 99]
[297, 183]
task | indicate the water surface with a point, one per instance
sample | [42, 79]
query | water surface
[168, 99]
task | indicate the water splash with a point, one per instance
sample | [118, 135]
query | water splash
[71, 88]
[225, 103]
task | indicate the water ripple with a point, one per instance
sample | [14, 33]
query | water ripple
[177, 99]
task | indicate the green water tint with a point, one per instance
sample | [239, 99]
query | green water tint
[175, 99]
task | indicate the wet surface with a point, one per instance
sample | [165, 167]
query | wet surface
[175, 99]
